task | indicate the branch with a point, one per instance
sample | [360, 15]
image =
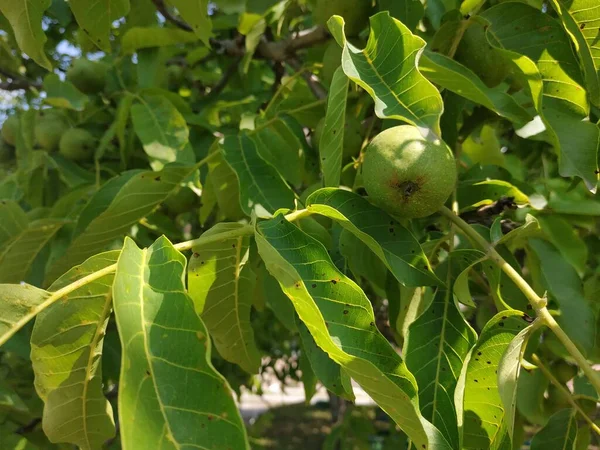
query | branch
[162, 8]
[313, 82]
[16, 82]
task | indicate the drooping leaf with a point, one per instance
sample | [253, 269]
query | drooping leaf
[63, 94]
[162, 130]
[581, 19]
[18, 255]
[13, 220]
[96, 17]
[484, 418]
[25, 17]
[560, 433]
[509, 369]
[457, 78]
[385, 236]
[327, 371]
[137, 38]
[551, 73]
[278, 302]
[66, 351]
[196, 15]
[221, 285]
[225, 185]
[566, 288]
[166, 345]
[344, 329]
[262, 189]
[436, 347]
[387, 69]
[331, 145]
[362, 262]
[278, 144]
[465, 260]
[113, 210]
[564, 237]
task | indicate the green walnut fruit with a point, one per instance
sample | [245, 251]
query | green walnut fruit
[355, 13]
[7, 152]
[563, 371]
[477, 54]
[49, 128]
[77, 144]
[10, 129]
[406, 174]
[88, 76]
[183, 200]
[352, 136]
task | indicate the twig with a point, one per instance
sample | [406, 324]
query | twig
[16, 82]
[313, 82]
[220, 85]
[162, 8]
[29, 427]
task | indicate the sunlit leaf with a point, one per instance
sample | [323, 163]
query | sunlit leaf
[385, 236]
[165, 344]
[66, 353]
[19, 304]
[387, 69]
[344, 329]
[147, 37]
[25, 17]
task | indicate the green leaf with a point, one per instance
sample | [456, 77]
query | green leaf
[551, 73]
[455, 77]
[17, 256]
[63, 94]
[331, 145]
[508, 375]
[564, 237]
[19, 304]
[560, 433]
[385, 236]
[485, 419]
[340, 319]
[162, 130]
[221, 284]
[465, 260]
[436, 347]
[473, 195]
[111, 212]
[327, 371]
[531, 388]
[147, 37]
[262, 189]
[278, 302]
[409, 12]
[362, 262]
[166, 345]
[25, 17]
[278, 144]
[13, 220]
[225, 185]
[96, 17]
[66, 351]
[394, 82]
[196, 15]
[581, 19]
[566, 288]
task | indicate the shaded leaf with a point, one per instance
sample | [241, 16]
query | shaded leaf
[196, 15]
[327, 371]
[345, 330]
[221, 285]
[12, 222]
[110, 213]
[66, 351]
[331, 145]
[436, 347]
[472, 195]
[63, 94]
[385, 236]
[137, 38]
[25, 17]
[560, 433]
[485, 419]
[165, 344]
[564, 237]
[409, 12]
[457, 78]
[262, 189]
[394, 82]
[95, 18]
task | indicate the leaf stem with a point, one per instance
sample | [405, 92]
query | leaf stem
[565, 392]
[538, 303]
